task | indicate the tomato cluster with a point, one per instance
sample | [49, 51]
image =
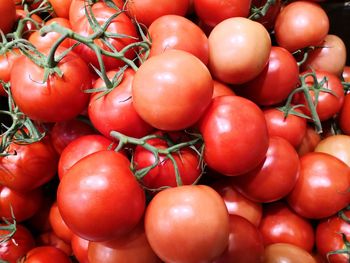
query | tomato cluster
[173, 131]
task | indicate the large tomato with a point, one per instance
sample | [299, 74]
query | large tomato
[57, 98]
[99, 198]
[8, 15]
[292, 34]
[322, 188]
[172, 90]
[287, 253]
[275, 177]
[309, 141]
[187, 224]
[61, 7]
[235, 135]
[239, 50]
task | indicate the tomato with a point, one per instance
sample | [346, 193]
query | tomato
[292, 128]
[329, 238]
[309, 141]
[238, 50]
[293, 34]
[275, 82]
[344, 116]
[172, 90]
[177, 32]
[336, 145]
[61, 7]
[346, 73]
[51, 239]
[99, 198]
[280, 224]
[8, 15]
[330, 57]
[80, 248]
[121, 25]
[23, 205]
[115, 111]
[230, 126]
[32, 166]
[221, 89]
[269, 19]
[322, 187]
[236, 203]
[46, 254]
[29, 26]
[328, 104]
[79, 148]
[131, 248]
[275, 177]
[14, 249]
[59, 227]
[147, 11]
[57, 99]
[213, 12]
[187, 224]
[6, 62]
[287, 253]
[245, 243]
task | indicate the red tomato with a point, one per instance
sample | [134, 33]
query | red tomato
[238, 50]
[329, 238]
[187, 224]
[99, 198]
[14, 249]
[292, 34]
[245, 243]
[177, 32]
[46, 254]
[236, 203]
[59, 227]
[172, 90]
[8, 15]
[29, 26]
[229, 127]
[51, 239]
[79, 148]
[327, 104]
[32, 166]
[23, 205]
[147, 11]
[309, 141]
[280, 224]
[287, 253]
[221, 89]
[275, 177]
[292, 128]
[132, 248]
[115, 111]
[275, 82]
[80, 248]
[322, 187]
[57, 99]
[344, 116]
[213, 12]
[346, 73]
[6, 62]
[61, 7]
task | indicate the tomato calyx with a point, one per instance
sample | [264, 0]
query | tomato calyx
[345, 250]
[8, 226]
[304, 53]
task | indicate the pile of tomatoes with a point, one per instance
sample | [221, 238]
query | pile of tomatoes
[179, 131]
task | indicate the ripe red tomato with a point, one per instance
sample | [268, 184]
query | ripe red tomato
[309, 141]
[292, 34]
[322, 187]
[280, 224]
[172, 90]
[344, 116]
[245, 243]
[177, 32]
[59, 227]
[275, 177]
[46, 254]
[6, 62]
[188, 224]
[80, 248]
[287, 253]
[238, 50]
[230, 126]
[8, 15]
[99, 198]
[336, 145]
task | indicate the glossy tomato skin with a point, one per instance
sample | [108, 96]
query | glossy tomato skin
[292, 128]
[344, 116]
[115, 111]
[277, 80]
[14, 249]
[32, 166]
[233, 61]
[59, 227]
[6, 62]
[275, 177]
[213, 12]
[80, 248]
[177, 32]
[8, 15]
[280, 224]
[322, 187]
[287, 253]
[293, 35]
[329, 237]
[309, 141]
[230, 127]
[79, 148]
[57, 99]
[172, 90]
[187, 224]
[245, 243]
[102, 188]
[46, 254]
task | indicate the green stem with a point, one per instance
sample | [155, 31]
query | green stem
[261, 11]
